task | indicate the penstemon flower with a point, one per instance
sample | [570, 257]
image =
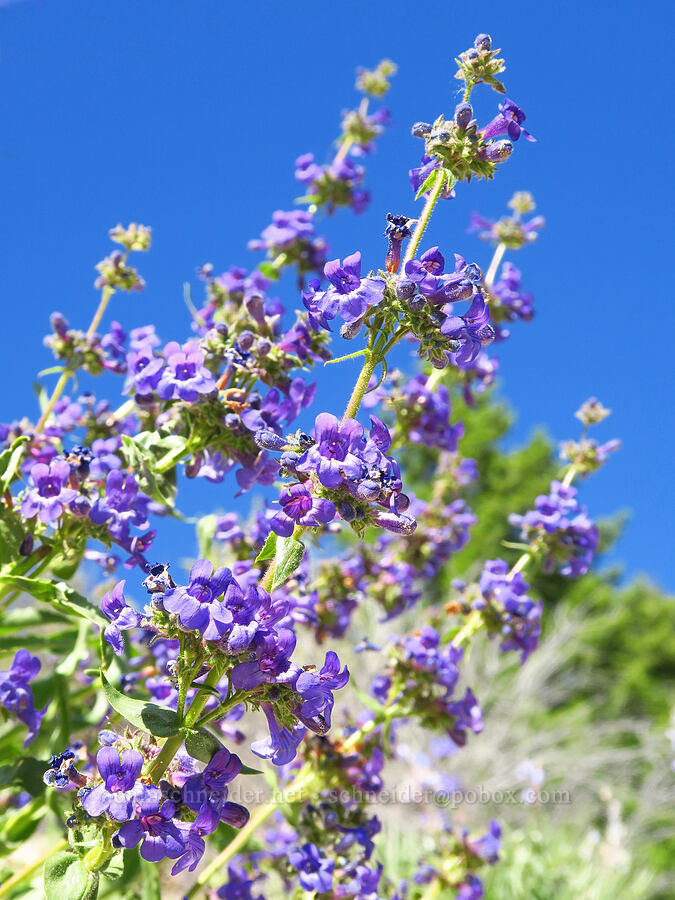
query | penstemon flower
[216, 656]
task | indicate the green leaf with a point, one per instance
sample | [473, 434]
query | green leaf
[60, 594]
[269, 271]
[147, 716]
[202, 745]
[289, 557]
[150, 881]
[66, 878]
[9, 462]
[25, 773]
[428, 183]
[269, 549]
[12, 533]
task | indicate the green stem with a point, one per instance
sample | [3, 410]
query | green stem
[7, 886]
[172, 744]
[423, 220]
[58, 390]
[361, 386]
[65, 375]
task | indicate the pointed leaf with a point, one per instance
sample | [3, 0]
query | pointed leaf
[268, 550]
[157, 720]
[289, 557]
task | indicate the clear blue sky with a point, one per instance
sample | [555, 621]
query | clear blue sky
[187, 116]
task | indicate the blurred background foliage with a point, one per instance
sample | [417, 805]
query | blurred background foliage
[591, 711]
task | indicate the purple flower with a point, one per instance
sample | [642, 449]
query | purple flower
[472, 330]
[270, 662]
[197, 605]
[471, 888]
[333, 454]
[184, 375]
[282, 744]
[122, 503]
[193, 838]
[49, 496]
[17, 697]
[298, 506]
[563, 528]
[119, 790]
[487, 847]
[238, 885]
[104, 456]
[352, 294]
[508, 121]
[317, 690]
[468, 717]
[519, 615]
[143, 370]
[122, 617]
[316, 870]
[210, 787]
[155, 828]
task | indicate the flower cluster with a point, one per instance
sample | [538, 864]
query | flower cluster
[507, 609]
[559, 529]
[16, 695]
[353, 472]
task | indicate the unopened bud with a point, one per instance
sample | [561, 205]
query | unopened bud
[268, 440]
[498, 151]
[483, 42]
[421, 129]
[397, 524]
[463, 115]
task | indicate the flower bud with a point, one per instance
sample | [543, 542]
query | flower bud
[405, 290]
[346, 511]
[421, 129]
[350, 329]
[26, 547]
[463, 115]
[268, 440]
[232, 422]
[498, 151]
[222, 329]
[443, 136]
[397, 524]
[263, 347]
[402, 503]
[254, 400]
[483, 42]
[245, 340]
[368, 490]
[256, 307]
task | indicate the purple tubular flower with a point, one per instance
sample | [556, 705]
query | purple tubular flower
[317, 690]
[119, 791]
[122, 617]
[392, 522]
[143, 370]
[508, 121]
[316, 870]
[519, 614]
[197, 605]
[17, 697]
[298, 506]
[155, 828]
[210, 788]
[473, 330]
[468, 717]
[49, 496]
[184, 375]
[282, 744]
[122, 503]
[353, 293]
[471, 888]
[193, 837]
[488, 846]
[271, 662]
[333, 454]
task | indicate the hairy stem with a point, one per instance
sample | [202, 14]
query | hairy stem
[423, 220]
